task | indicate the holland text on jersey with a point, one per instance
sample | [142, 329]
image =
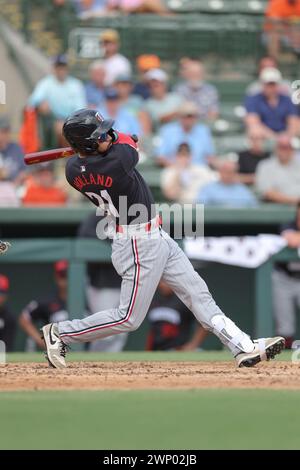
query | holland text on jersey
[96, 179]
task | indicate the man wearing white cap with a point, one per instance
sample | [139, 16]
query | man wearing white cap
[270, 111]
[163, 107]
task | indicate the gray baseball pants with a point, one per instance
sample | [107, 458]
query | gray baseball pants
[142, 259]
[286, 298]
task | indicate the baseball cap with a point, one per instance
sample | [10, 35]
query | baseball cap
[60, 59]
[158, 75]
[4, 284]
[123, 77]
[4, 122]
[270, 75]
[146, 62]
[110, 35]
[61, 267]
[188, 108]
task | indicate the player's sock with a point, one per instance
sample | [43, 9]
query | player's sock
[231, 336]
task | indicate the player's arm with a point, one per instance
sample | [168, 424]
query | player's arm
[27, 324]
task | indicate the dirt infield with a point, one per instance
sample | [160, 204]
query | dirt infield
[148, 375]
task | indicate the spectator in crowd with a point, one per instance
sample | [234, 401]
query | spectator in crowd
[42, 189]
[195, 89]
[7, 320]
[104, 285]
[270, 112]
[144, 64]
[162, 106]
[51, 309]
[124, 120]
[250, 158]
[187, 129]
[95, 87]
[256, 86]
[115, 63]
[90, 8]
[282, 25]
[286, 285]
[171, 323]
[133, 104]
[227, 191]
[8, 194]
[11, 154]
[58, 95]
[182, 180]
[278, 177]
[138, 6]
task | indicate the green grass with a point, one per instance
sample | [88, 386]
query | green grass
[175, 419]
[136, 356]
[199, 419]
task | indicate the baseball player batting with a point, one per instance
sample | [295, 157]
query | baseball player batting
[104, 170]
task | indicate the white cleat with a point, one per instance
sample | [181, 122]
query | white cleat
[56, 348]
[264, 350]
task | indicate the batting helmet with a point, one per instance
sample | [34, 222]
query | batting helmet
[85, 128]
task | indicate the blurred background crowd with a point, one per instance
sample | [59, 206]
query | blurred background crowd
[214, 127]
[177, 113]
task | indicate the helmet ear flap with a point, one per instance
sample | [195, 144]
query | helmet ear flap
[93, 144]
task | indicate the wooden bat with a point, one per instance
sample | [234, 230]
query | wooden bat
[48, 155]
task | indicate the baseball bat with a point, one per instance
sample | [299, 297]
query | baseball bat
[48, 155]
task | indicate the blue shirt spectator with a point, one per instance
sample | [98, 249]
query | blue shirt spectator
[124, 120]
[11, 158]
[270, 111]
[94, 88]
[59, 93]
[11, 154]
[274, 117]
[187, 130]
[226, 191]
[95, 8]
[94, 95]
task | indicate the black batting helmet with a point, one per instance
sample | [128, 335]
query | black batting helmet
[85, 128]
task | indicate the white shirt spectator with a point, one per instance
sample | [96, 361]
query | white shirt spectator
[184, 184]
[8, 195]
[115, 66]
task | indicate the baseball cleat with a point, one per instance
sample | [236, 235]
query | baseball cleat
[56, 348]
[264, 350]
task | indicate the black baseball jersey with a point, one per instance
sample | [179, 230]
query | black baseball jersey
[103, 178]
[291, 268]
[51, 310]
[170, 321]
[7, 327]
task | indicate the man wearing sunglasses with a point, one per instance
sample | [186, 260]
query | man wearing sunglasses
[142, 252]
